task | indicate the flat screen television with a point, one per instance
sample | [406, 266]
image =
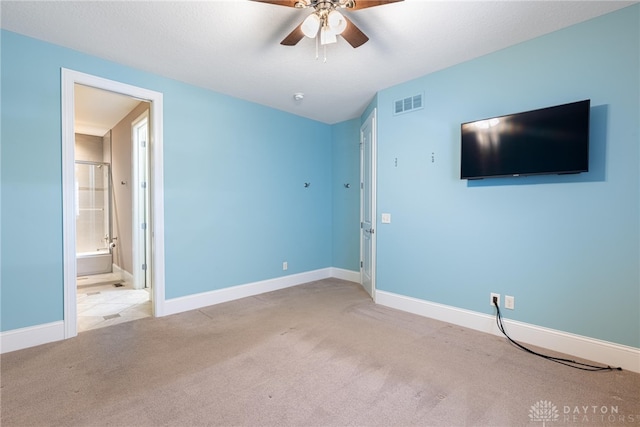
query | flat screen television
[553, 140]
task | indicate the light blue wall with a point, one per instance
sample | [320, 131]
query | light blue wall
[346, 201]
[567, 247]
[236, 205]
[235, 202]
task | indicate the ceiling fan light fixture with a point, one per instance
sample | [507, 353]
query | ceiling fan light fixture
[336, 22]
[311, 25]
[327, 36]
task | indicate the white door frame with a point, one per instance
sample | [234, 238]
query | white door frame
[371, 122]
[68, 80]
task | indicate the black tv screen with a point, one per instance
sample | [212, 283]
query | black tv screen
[553, 140]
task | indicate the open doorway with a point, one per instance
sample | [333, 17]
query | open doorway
[112, 209]
[112, 195]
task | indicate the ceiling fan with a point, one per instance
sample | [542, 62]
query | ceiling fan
[326, 22]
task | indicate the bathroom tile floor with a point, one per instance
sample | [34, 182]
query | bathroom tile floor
[101, 304]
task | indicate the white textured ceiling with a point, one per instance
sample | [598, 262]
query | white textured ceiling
[232, 47]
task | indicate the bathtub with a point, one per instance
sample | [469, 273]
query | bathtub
[98, 262]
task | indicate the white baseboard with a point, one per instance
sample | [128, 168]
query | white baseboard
[17, 339]
[604, 352]
[194, 302]
[341, 273]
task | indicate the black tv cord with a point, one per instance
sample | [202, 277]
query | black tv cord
[566, 362]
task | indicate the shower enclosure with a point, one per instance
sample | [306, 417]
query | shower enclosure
[93, 218]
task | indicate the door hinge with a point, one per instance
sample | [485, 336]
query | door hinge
[143, 226]
[143, 184]
[361, 225]
[144, 267]
[361, 264]
[143, 143]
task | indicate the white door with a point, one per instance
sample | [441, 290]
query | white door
[140, 202]
[368, 204]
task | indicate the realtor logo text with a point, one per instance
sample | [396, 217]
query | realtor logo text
[595, 413]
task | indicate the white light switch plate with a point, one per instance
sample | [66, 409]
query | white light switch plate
[386, 218]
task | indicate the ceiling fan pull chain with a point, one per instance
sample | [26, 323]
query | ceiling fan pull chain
[325, 53]
[317, 44]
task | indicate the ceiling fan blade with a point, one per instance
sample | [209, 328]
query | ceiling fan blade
[353, 35]
[289, 3]
[294, 37]
[363, 4]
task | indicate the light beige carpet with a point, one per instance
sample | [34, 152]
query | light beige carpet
[319, 354]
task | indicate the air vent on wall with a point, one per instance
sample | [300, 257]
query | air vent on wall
[405, 105]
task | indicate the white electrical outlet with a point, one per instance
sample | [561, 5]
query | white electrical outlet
[491, 300]
[509, 302]
[285, 265]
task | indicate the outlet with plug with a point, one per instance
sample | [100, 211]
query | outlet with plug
[495, 297]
